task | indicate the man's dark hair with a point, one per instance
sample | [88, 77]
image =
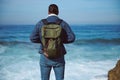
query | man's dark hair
[53, 8]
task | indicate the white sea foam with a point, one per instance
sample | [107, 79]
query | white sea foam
[2, 49]
[88, 70]
[26, 70]
[29, 70]
[22, 63]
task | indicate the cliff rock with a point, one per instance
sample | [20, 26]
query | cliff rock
[114, 74]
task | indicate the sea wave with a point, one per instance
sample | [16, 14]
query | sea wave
[7, 37]
[10, 36]
[2, 49]
[115, 41]
[5, 46]
[14, 42]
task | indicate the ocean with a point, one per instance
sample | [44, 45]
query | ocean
[94, 52]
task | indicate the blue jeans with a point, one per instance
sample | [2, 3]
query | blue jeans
[46, 65]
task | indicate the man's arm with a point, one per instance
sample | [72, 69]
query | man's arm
[35, 37]
[68, 34]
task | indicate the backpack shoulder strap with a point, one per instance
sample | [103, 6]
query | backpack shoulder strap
[45, 21]
[59, 21]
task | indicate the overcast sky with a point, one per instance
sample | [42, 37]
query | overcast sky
[72, 11]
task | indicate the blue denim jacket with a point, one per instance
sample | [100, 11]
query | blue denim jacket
[67, 34]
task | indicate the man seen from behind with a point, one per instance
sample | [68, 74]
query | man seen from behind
[66, 36]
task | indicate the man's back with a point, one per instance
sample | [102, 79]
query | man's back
[67, 36]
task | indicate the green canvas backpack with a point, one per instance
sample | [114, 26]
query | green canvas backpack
[51, 39]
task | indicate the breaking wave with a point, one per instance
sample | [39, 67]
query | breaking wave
[115, 41]
[13, 42]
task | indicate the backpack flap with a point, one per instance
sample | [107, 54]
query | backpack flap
[51, 31]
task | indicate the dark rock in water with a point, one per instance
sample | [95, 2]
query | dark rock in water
[114, 74]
